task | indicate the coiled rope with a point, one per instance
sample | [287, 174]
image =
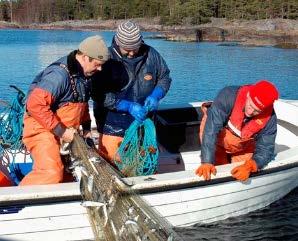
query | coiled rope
[11, 122]
[11, 128]
[138, 151]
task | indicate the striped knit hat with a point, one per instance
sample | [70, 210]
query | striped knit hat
[128, 36]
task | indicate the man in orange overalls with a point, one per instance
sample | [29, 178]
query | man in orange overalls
[240, 125]
[57, 105]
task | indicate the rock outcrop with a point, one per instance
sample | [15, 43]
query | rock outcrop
[4, 25]
[273, 32]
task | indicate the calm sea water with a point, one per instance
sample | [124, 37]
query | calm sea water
[198, 70]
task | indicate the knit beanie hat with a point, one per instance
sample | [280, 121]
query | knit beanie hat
[263, 94]
[128, 36]
[95, 47]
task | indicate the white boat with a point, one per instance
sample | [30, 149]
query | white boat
[54, 212]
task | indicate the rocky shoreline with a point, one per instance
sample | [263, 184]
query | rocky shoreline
[271, 32]
[274, 32]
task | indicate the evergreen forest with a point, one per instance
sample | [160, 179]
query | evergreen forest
[170, 12]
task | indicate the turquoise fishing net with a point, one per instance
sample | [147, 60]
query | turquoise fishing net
[138, 151]
[11, 121]
[11, 130]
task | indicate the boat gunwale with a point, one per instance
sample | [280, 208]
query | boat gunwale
[41, 194]
[214, 181]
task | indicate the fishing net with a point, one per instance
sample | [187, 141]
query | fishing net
[11, 128]
[138, 151]
[11, 121]
[115, 211]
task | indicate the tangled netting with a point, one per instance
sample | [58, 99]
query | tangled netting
[138, 151]
[116, 212]
[11, 128]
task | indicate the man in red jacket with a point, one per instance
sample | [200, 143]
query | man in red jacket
[57, 105]
[240, 125]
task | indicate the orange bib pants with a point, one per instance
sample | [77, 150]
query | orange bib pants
[44, 146]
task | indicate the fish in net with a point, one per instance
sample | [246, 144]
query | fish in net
[115, 211]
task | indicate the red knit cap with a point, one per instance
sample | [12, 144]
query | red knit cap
[263, 94]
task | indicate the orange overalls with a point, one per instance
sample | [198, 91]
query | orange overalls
[108, 146]
[44, 146]
[229, 147]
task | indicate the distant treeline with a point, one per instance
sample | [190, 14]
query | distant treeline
[169, 11]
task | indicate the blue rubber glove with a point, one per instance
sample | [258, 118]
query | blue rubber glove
[133, 108]
[151, 102]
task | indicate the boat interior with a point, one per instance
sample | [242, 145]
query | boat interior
[177, 133]
[178, 136]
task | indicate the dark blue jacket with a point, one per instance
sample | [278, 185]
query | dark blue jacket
[126, 79]
[218, 116]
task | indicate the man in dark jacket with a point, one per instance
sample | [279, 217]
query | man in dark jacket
[131, 84]
[241, 125]
[57, 105]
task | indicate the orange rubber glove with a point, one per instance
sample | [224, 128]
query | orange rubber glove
[243, 171]
[205, 170]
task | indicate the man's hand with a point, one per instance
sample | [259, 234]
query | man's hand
[68, 135]
[87, 134]
[138, 112]
[243, 171]
[205, 170]
[152, 101]
[133, 108]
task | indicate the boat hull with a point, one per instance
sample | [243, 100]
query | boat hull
[216, 202]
